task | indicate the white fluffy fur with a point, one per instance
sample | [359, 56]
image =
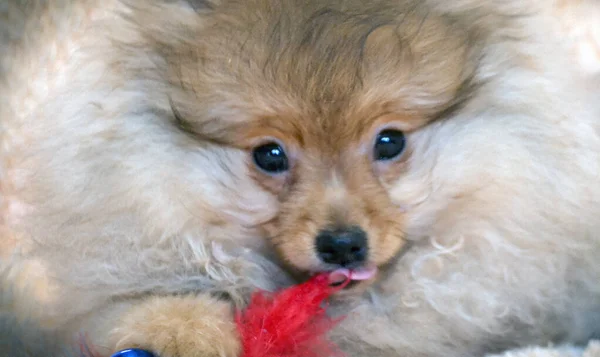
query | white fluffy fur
[590, 350]
[103, 202]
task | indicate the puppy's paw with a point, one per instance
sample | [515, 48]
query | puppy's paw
[191, 326]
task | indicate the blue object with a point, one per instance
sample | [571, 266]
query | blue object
[133, 352]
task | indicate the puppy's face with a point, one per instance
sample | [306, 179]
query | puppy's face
[323, 102]
[330, 177]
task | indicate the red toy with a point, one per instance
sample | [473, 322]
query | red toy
[291, 322]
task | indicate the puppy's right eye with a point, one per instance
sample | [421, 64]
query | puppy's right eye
[389, 145]
[271, 158]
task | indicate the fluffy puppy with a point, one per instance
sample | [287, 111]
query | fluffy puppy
[162, 159]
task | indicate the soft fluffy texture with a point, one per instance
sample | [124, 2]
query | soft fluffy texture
[114, 212]
[591, 350]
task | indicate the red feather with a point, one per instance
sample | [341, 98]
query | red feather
[289, 323]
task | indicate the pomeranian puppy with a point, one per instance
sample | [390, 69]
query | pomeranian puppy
[162, 159]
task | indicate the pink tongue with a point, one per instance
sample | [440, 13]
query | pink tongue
[340, 275]
[363, 273]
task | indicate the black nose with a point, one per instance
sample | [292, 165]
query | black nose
[346, 247]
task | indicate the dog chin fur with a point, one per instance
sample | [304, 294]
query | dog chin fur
[118, 224]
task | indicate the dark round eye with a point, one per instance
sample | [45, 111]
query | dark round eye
[389, 144]
[271, 158]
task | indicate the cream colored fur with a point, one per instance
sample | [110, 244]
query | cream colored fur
[591, 350]
[116, 224]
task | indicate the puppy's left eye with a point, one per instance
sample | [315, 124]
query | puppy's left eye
[271, 158]
[389, 144]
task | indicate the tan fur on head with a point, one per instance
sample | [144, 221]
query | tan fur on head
[126, 175]
[323, 84]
